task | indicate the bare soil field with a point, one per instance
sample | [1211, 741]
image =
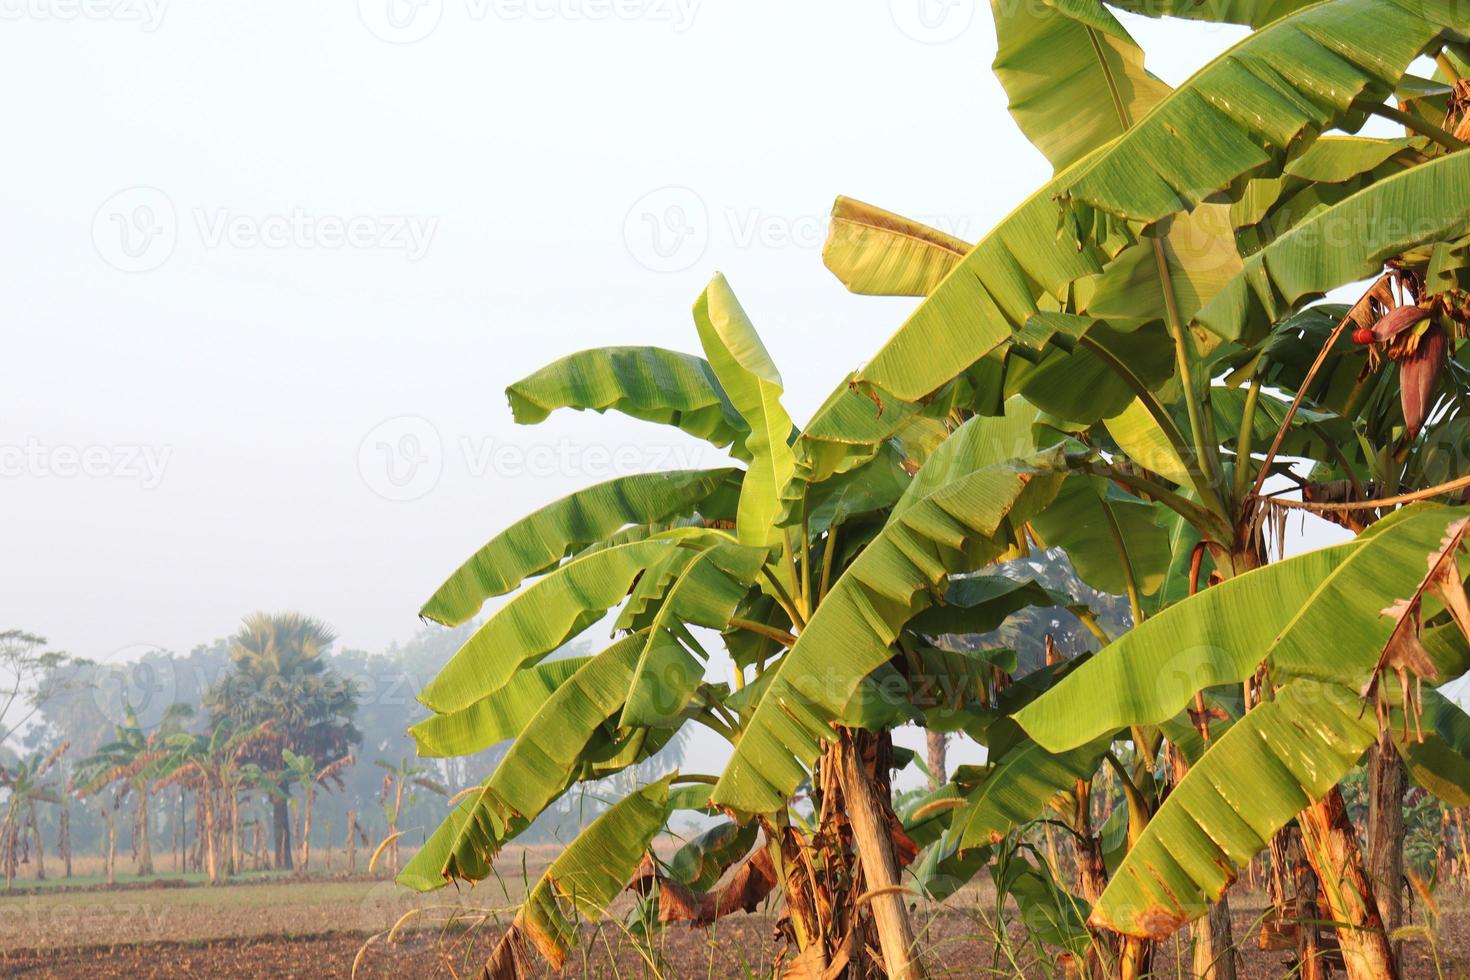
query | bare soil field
[281, 926]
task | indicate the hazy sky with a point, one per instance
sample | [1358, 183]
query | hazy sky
[269, 266]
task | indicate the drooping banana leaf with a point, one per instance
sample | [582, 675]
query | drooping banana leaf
[1297, 77]
[543, 760]
[1018, 787]
[1281, 756]
[1316, 615]
[954, 519]
[582, 882]
[700, 862]
[1114, 539]
[544, 615]
[706, 590]
[1239, 115]
[1074, 75]
[499, 715]
[879, 253]
[1343, 244]
[539, 541]
[1441, 762]
[647, 383]
[749, 376]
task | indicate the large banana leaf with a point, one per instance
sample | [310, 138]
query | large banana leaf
[499, 715]
[1249, 784]
[1018, 788]
[539, 541]
[647, 383]
[1075, 76]
[748, 374]
[544, 759]
[544, 615]
[582, 881]
[707, 588]
[1240, 114]
[1295, 78]
[1344, 243]
[1316, 615]
[1113, 538]
[953, 519]
[1441, 762]
[1251, 13]
[879, 253]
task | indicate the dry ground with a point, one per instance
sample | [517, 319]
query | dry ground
[274, 926]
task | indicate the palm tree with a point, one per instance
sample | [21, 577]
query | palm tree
[25, 782]
[281, 676]
[303, 771]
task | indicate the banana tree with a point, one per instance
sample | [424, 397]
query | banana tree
[807, 565]
[26, 785]
[132, 759]
[209, 765]
[303, 771]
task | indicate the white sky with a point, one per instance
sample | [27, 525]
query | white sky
[197, 422]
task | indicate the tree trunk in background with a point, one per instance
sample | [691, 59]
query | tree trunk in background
[63, 843]
[281, 828]
[874, 841]
[1332, 848]
[40, 846]
[145, 847]
[351, 842]
[1387, 782]
[111, 841]
[938, 743]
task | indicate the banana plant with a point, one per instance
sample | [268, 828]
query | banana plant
[810, 565]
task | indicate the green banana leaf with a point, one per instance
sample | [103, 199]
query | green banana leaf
[1114, 539]
[538, 542]
[1298, 76]
[1342, 244]
[544, 615]
[1315, 615]
[1282, 755]
[1252, 13]
[747, 373]
[879, 253]
[1018, 787]
[583, 880]
[647, 383]
[1441, 762]
[500, 715]
[1245, 110]
[1074, 75]
[954, 519]
[544, 759]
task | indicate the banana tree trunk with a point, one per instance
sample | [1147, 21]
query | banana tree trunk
[145, 847]
[40, 847]
[1386, 784]
[351, 842]
[111, 843]
[305, 830]
[937, 744]
[281, 828]
[63, 840]
[874, 841]
[211, 837]
[1332, 848]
